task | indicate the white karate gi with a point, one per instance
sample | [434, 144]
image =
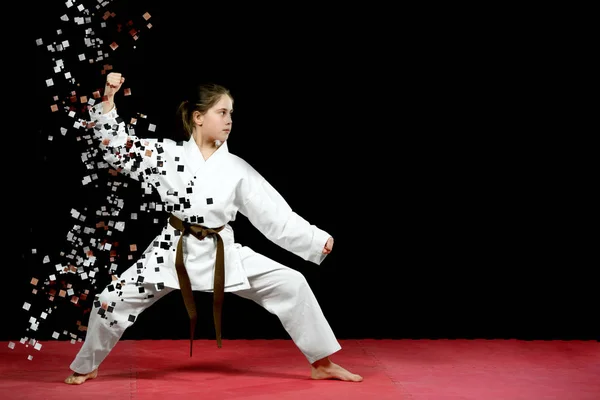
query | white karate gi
[210, 193]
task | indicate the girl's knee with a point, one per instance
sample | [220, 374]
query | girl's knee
[108, 296]
[295, 281]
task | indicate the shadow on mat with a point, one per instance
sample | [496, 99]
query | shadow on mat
[204, 367]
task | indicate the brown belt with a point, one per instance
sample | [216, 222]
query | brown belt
[200, 232]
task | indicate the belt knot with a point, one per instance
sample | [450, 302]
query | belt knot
[200, 232]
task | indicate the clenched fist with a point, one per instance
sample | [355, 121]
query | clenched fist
[328, 246]
[114, 80]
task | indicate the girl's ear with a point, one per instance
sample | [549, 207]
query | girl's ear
[198, 118]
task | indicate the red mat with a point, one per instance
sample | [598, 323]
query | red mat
[275, 369]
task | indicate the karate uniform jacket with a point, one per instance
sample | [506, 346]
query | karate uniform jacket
[205, 192]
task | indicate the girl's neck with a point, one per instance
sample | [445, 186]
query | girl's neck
[207, 148]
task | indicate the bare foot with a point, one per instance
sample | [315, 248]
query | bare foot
[78, 379]
[325, 369]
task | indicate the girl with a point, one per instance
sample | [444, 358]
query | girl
[203, 186]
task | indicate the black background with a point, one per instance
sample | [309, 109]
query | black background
[406, 142]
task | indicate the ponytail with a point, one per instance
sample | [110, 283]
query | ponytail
[187, 126]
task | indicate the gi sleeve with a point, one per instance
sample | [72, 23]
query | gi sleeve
[268, 211]
[126, 153]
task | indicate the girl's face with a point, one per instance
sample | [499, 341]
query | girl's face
[216, 123]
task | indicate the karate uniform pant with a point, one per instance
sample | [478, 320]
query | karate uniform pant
[279, 289]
